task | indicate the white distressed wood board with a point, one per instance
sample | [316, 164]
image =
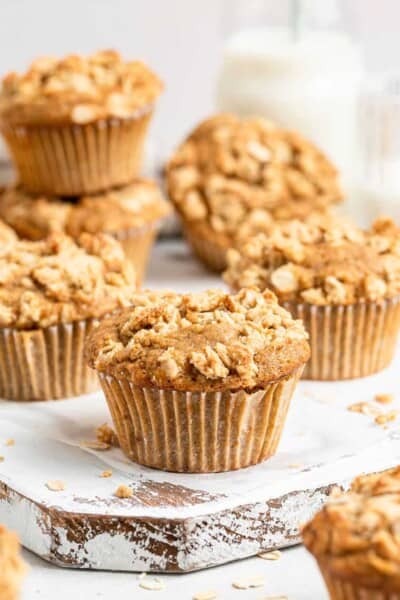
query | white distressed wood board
[181, 522]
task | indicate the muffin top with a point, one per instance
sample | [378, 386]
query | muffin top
[7, 235]
[328, 262]
[58, 280]
[12, 567]
[357, 533]
[35, 217]
[78, 89]
[206, 341]
[229, 168]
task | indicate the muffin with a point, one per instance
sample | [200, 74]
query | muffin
[131, 214]
[12, 567]
[77, 125]
[199, 383]
[344, 283]
[231, 175]
[355, 540]
[51, 294]
[7, 235]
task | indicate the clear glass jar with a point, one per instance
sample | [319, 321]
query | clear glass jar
[292, 62]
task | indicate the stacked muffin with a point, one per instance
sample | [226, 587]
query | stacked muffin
[75, 128]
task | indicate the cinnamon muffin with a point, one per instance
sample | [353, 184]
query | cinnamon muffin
[77, 125]
[232, 175]
[355, 539]
[51, 294]
[199, 382]
[343, 282]
[131, 214]
[12, 567]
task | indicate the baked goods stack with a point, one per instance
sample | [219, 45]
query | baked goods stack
[75, 128]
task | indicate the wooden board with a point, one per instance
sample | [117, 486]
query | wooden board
[180, 522]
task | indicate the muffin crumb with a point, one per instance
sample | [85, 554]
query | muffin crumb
[106, 474]
[123, 491]
[386, 418]
[384, 398]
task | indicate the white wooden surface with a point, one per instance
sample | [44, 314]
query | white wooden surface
[323, 442]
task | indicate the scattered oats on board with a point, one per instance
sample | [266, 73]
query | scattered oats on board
[95, 445]
[248, 582]
[142, 575]
[364, 408]
[106, 474]
[273, 555]
[386, 418]
[384, 398]
[56, 485]
[10, 442]
[1, 458]
[123, 491]
[205, 596]
[153, 584]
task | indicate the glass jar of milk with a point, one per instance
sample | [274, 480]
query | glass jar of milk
[305, 75]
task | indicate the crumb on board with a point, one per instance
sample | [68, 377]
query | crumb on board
[364, 408]
[123, 491]
[248, 582]
[384, 398]
[106, 474]
[386, 418]
[10, 442]
[272, 555]
[95, 445]
[1, 458]
[153, 584]
[106, 435]
[205, 596]
[55, 485]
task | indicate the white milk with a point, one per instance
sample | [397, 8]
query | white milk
[311, 85]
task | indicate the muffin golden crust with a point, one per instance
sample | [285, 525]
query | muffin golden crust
[356, 535]
[230, 170]
[58, 280]
[34, 217]
[326, 263]
[12, 567]
[77, 89]
[7, 235]
[206, 341]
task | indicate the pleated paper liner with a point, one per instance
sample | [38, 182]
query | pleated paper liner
[209, 252]
[198, 432]
[137, 243]
[349, 341]
[72, 160]
[45, 364]
[342, 589]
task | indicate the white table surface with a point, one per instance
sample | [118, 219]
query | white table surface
[294, 575]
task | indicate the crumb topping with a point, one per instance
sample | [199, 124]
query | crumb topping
[237, 174]
[78, 89]
[60, 281]
[358, 531]
[35, 217]
[7, 235]
[334, 263]
[210, 339]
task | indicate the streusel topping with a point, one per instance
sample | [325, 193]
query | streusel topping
[229, 168]
[60, 281]
[358, 533]
[209, 340]
[78, 89]
[137, 204]
[7, 235]
[332, 264]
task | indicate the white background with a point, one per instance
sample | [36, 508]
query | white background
[180, 39]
